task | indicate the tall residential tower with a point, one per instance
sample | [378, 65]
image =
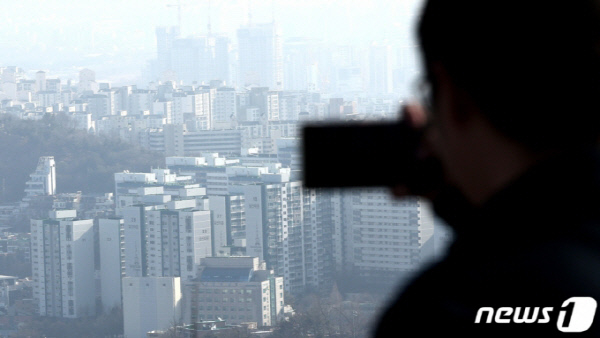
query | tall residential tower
[62, 263]
[261, 56]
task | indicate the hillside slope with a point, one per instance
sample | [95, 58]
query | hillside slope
[83, 161]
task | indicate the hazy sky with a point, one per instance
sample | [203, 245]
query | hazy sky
[119, 35]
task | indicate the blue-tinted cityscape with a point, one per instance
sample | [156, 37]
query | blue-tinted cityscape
[172, 205]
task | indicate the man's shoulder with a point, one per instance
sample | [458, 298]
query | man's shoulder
[536, 278]
[562, 265]
[570, 264]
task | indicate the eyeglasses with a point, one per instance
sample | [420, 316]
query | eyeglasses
[423, 95]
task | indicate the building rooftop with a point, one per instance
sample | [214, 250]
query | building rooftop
[2, 277]
[211, 274]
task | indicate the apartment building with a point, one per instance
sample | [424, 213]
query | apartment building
[62, 263]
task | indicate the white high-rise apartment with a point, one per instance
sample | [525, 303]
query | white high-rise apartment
[150, 303]
[43, 180]
[133, 253]
[225, 112]
[261, 56]
[229, 224]
[169, 242]
[222, 66]
[164, 43]
[158, 187]
[179, 141]
[87, 81]
[265, 102]
[53, 85]
[176, 241]
[203, 116]
[301, 57]
[192, 59]
[163, 108]
[289, 227]
[386, 238]
[62, 261]
[284, 228]
[208, 170]
[197, 59]
[380, 69]
[288, 152]
[109, 237]
[189, 106]
[40, 81]
[140, 100]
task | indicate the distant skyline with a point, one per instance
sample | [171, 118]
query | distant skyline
[117, 38]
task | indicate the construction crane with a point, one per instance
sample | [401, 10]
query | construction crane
[179, 5]
[209, 26]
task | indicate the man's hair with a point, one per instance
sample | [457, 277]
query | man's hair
[532, 67]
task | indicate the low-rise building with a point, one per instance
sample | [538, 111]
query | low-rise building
[235, 289]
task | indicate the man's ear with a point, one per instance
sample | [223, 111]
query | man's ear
[450, 97]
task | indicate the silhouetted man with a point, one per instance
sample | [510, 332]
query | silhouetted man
[513, 116]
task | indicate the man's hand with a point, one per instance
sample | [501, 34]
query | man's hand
[428, 177]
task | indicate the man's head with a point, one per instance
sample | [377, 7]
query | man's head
[511, 83]
[531, 68]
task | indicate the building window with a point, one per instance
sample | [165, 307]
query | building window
[69, 232]
[188, 224]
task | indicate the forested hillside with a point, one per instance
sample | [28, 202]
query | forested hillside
[83, 161]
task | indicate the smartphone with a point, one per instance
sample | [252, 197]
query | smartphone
[359, 154]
